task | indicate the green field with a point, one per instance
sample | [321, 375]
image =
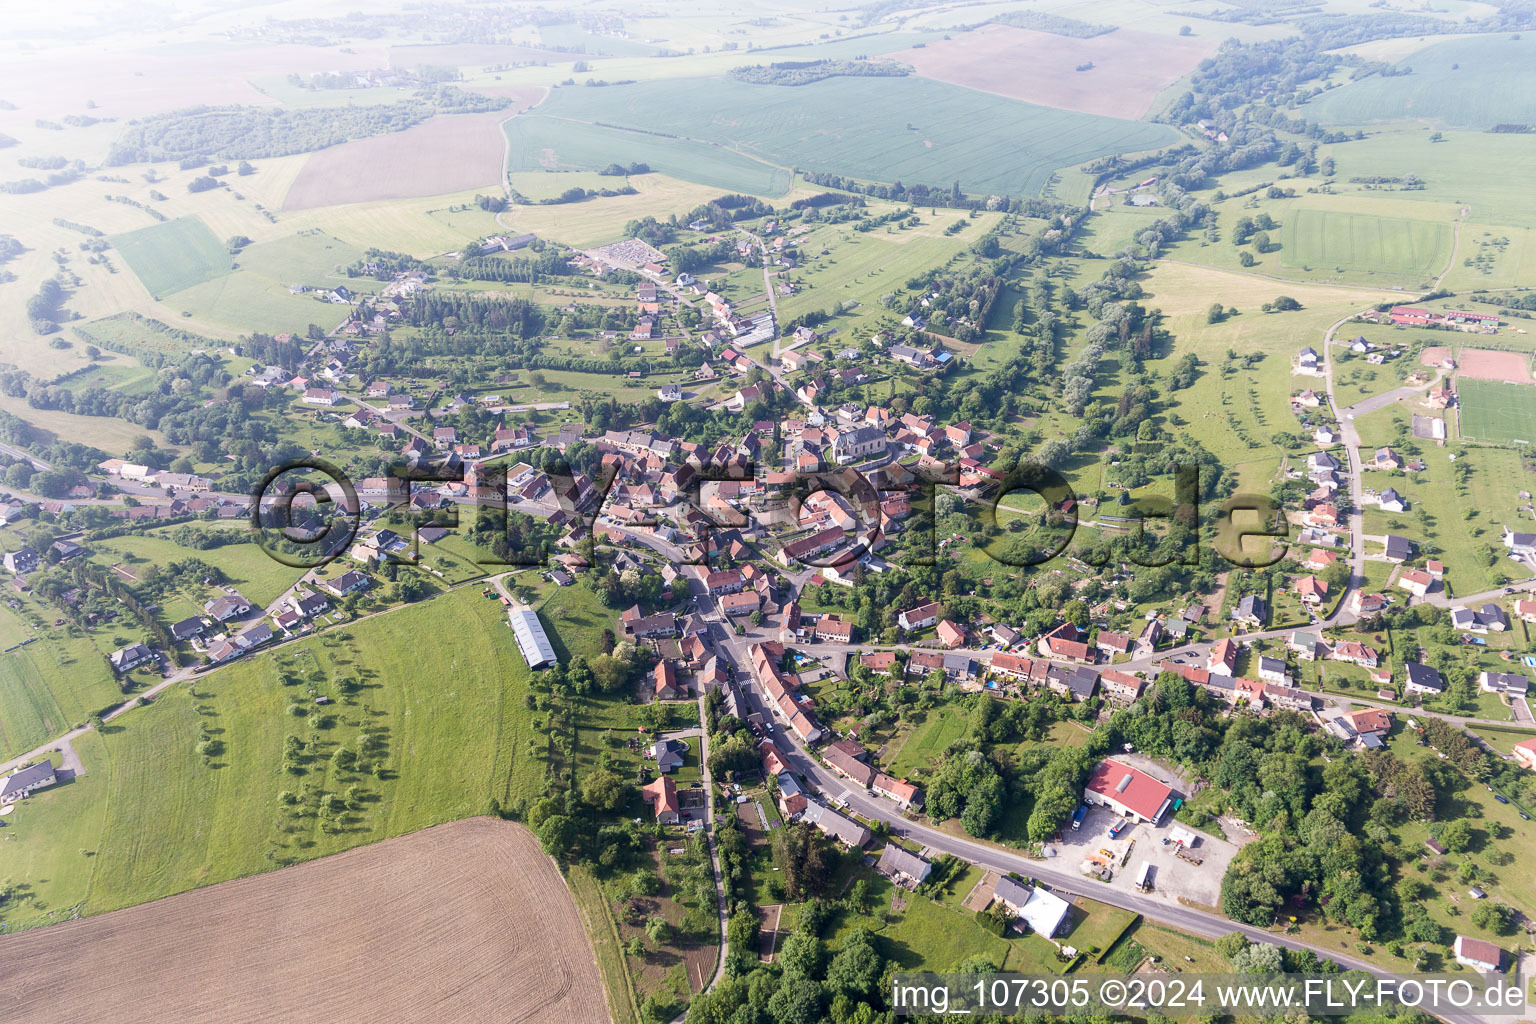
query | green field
[1334, 239]
[1496, 411]
[173, 256]
[552, 143]
[1462, 83]
[850, 126]
[151, 818]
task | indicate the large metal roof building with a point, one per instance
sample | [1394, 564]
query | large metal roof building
[538, 652]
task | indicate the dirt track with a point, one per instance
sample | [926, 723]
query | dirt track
[468, 921]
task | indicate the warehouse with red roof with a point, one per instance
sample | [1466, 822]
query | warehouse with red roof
[1129, 792]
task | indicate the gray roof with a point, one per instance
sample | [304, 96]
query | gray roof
[1398, 547]
[1015, 894]
[1424, 675]
[1082, 680]
[835, 825]
[531, 638]
[37, 774]
[894, 860]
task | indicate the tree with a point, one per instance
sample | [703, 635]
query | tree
[1456, 836]
[1285, 304]
[1495, 917]
[802, 954]
[557, 835]
[1259, 958]
[1215, 314]
[797, 1000]
[605, 790]
[856, 969]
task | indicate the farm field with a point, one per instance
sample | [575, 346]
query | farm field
[53, 684]
[447, 153]
[1480, 171]
[1474, 82]
[1496, 411]
[508, 944]
[852, 126]
[1365, 243]
[449, 741]
[1040, 67]
[257, 296]
[543, 142]
[173, 256]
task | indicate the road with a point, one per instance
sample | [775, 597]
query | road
[17, 453]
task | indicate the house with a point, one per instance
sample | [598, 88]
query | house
[307, 606]
[1356, 654]
[1521, 545]
[1398, 549]
[1223, 657]
[670, 393]
[1121, 686]
[1423, 679]
[23, 782]
[858, 443]
[1478, 954]
[1318, 559]
[1416, 581]
[186, 629]
[951, 634]
[126, 659]
[735, 605]
[907, 870]
[1312, 590]
[226, 607]
[21, 561]
[1308, 362]
[921, 617]
[899, 790]
[1489, 617]
[1390, 501]
[1525, 754]
[1306, 645]
[1043, 912]
[848, 766]
[1503, 682]
[880, 663]
[665, 678]
[1129, 792]
[1526, 610]
[833, 629]
[669, 754]
[1112, 643]
[1272, 670]
[1252, 610]
[1364, 605]
[834, 825]
[661, 794]
[349, 582]
[319, 396]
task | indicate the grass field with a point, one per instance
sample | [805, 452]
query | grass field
[541, 142]
[1364, 242]
[1497, 412]
[451, 737]
[851, 126]
[173, 256]
[1464, 83]
[52, 685]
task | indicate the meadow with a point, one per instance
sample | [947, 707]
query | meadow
[1474, 83]
[1484, 173]
[1365, 243]
[852, 126]
[451, 732]
[173, 256]
[1496, 411]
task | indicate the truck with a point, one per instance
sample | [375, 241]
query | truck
[1118, 827]
[1078, 816]
[1144, 876]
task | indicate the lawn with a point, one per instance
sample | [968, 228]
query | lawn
[851, 126]
[927, 743]
[450, 739]
[1496, 411]
[258, 576]
[173, 256]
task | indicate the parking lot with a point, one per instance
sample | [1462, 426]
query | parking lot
[1173, 879]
